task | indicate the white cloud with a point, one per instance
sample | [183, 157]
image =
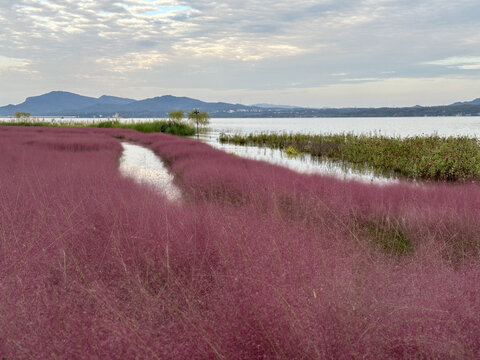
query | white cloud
[13, 64]
[133, 61]
[459, 62]
[360, 80]
[235, 48]
[470, 66]
[155, 9]
[248, 45]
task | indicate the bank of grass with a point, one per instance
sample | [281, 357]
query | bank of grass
[417, 157]
[163, 126]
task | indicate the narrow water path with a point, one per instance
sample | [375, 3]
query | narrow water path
[304, 163]
[145, 167]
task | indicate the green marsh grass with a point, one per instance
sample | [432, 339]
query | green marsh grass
[387, 236]
[164, 126]
[417, 157]
[291, 151]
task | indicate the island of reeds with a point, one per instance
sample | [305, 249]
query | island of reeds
[255, 262]
[416, 157]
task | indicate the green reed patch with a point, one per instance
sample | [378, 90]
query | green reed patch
[388, 236]
[417, 157]
[291, 151]
[27, 123]
[164, 126]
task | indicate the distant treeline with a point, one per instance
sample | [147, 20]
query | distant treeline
[457, 110]
[460, 110]
[417, 111]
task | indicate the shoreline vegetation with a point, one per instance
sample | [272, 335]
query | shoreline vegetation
[417, 157]
[174, 126]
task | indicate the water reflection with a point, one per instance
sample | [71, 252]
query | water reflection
[145, 167]
[304, 163]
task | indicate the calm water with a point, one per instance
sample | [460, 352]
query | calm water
[444, 126]
[145, 167]
[303, 163]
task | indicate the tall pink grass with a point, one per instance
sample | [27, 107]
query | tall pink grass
[257, 262]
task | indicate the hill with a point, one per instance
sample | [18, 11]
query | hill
[61, 103]
[473, 102]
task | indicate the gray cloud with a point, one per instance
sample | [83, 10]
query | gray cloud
[142, 48]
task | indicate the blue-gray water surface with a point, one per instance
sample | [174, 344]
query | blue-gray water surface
[388, 126]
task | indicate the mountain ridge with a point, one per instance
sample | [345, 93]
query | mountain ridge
[473, 102]
[63, 103]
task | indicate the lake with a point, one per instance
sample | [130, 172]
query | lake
[389, 126]
[443, 126]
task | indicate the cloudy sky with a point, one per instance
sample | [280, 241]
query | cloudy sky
[315, 53]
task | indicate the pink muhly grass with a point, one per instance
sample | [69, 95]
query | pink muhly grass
[258, 262]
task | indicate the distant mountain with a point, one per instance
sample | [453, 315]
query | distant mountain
[60, 103]
[473, 102]
[105, 99]
[272, 106]
[53, 102]
[164, 104]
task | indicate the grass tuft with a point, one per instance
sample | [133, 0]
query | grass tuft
[389, 237]
[291, 151]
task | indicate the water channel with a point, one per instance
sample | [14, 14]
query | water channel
[145, 167]
[304, 163]
[399, 127]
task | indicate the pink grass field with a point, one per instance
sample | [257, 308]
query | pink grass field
[257, 261]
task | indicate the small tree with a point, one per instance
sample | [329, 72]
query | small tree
[176, 115]
[21, 115]
[199, 117]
